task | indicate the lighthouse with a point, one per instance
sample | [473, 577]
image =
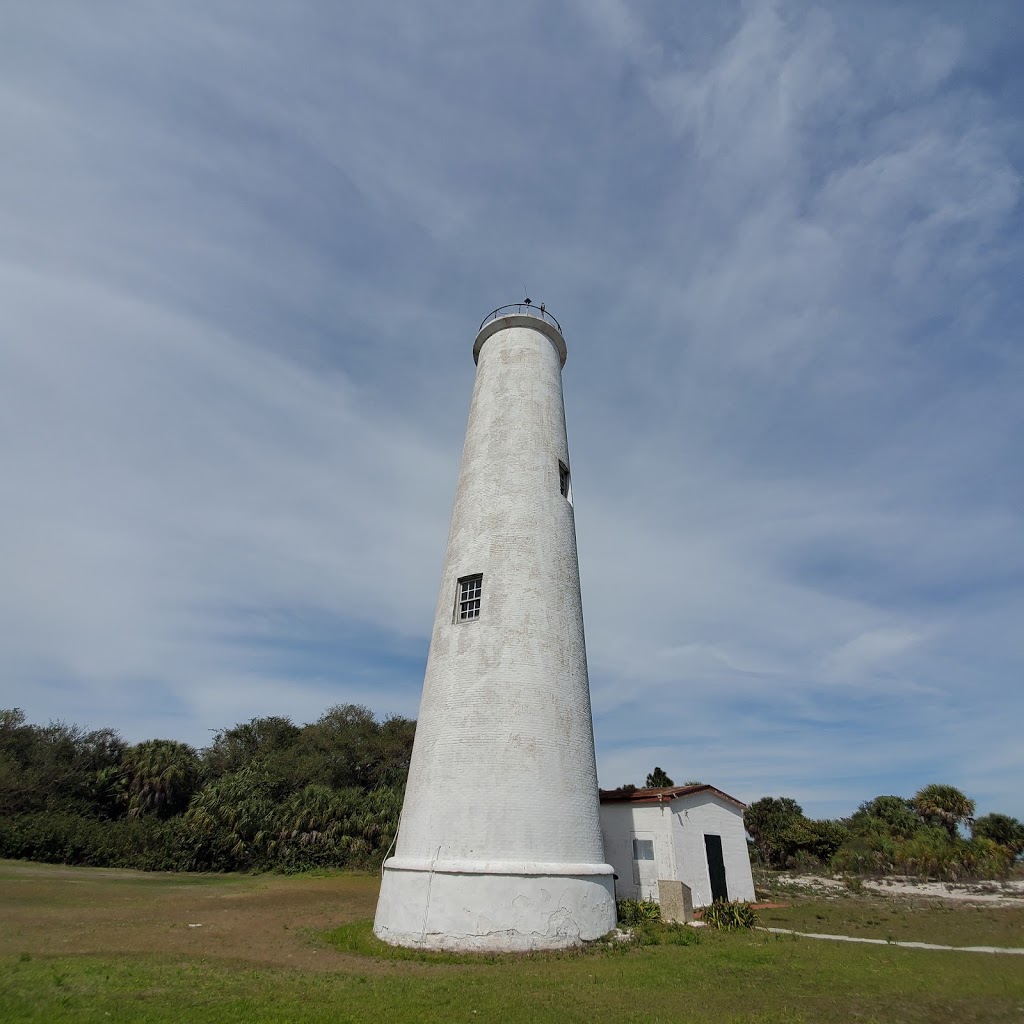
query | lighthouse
[499, 845]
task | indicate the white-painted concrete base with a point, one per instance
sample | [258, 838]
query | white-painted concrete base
[439, 907]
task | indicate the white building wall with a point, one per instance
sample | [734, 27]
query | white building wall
[616, 826]
[701, 814]
[620, 822]
[500, 838]
[678, 828]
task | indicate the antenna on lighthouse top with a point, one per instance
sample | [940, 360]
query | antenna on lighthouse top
[526, 292]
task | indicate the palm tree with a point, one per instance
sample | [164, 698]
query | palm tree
[1002, 829]
[162, 776]
[232, 824]
[943, 805]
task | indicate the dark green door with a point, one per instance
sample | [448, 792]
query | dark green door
[716, 867]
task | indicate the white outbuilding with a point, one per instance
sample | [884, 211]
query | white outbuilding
[689, 834]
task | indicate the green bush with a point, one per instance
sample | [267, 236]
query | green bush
[866, 855]
[637, 912]
[767, 820]
[147, 844]
[817, 840]
[887, 816]
[1001, 829]
[265, 795]
[730, 915]
[929, 853]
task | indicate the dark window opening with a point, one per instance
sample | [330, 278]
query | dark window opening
[467, 604]
[564, 482]
[643, 849]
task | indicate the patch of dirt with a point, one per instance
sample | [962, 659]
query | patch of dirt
[263, 919]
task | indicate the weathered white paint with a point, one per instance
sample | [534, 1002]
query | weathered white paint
[678, 827]
[500, 841]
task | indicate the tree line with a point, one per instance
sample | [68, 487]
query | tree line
[265, 794]
[932, 834]
[269, 794]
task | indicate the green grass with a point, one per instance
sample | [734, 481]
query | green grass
[357, 938]
[736, 978]
[874, 917]
[299, 949]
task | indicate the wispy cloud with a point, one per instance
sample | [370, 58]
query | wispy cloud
[242, 260]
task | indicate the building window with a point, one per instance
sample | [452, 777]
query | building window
[564, 482]
[643, 849]
[467, 604]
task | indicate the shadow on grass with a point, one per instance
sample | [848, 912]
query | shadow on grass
[356, 937]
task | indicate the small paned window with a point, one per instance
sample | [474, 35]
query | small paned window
[643, 849]
[564, 482]
[467, 605]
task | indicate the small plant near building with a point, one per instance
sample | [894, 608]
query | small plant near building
[644, 927]
[637, 912]
[730, 915]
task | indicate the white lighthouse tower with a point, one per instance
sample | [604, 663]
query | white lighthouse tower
[500, 844]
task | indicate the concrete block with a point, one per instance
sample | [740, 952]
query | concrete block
[676, 901]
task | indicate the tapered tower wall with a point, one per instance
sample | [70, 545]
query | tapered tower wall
[500, 841]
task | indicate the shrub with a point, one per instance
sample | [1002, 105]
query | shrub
[637, 912]
[885, 815]
[767, 820]
[929, 853]
[730, 915]
[148, 844]
[817, 839]
[866, 855]
[1002, 829]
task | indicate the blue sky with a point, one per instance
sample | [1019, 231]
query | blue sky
[244, 249]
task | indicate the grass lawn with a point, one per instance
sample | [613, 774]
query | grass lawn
[871, 916]
[109, 946]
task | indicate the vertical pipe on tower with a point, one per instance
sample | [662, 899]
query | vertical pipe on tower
[500, 841]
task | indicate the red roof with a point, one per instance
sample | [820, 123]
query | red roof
[663, 795]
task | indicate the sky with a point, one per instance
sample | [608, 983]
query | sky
[244, 251]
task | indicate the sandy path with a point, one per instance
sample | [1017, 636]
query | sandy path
[992, 894]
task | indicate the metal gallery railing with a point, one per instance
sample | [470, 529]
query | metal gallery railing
[524, 308]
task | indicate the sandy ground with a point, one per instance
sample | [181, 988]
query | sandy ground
[988, 894]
